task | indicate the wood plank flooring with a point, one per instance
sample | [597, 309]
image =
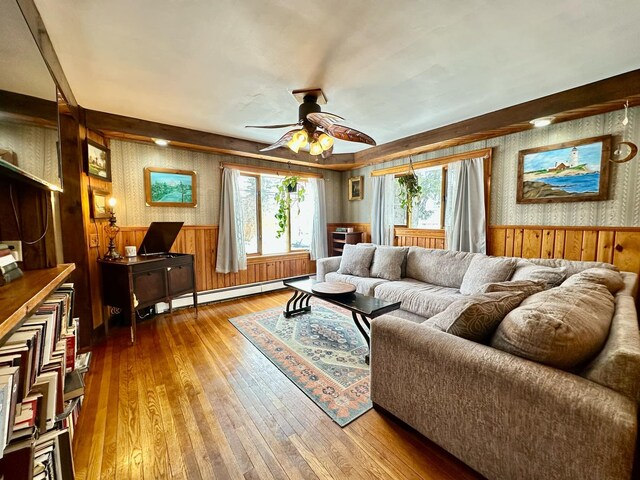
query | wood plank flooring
[194, 399]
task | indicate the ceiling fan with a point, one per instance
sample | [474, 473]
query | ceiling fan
[315, 128]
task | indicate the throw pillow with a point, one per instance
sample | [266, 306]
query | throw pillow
[484, 269]
[476, 317]
[529, 287]
[356, 260]
[562, 327]
[552, 276]
[387, 262]
[602, 276]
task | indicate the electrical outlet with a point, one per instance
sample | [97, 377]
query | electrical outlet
[17, 248]
[93, 240]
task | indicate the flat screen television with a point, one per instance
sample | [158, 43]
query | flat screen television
[159, 238]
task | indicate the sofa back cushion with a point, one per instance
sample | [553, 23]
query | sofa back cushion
[602, 276]
[356, 260]
[483, 269]
[562, 327]
[445, 268]
[527, 286]
[476, 317]
[551, 276]
[617, 366]
[388, 261]
[572, 266]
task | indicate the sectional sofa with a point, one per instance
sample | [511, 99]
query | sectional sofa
[540, 378]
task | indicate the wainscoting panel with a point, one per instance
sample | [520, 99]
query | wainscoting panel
[202, 241]
[617, 245]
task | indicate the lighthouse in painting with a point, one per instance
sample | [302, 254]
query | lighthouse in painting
[575, 160]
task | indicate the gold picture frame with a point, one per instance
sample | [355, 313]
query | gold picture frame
[99, 206]
[356, 188]
[169, 187]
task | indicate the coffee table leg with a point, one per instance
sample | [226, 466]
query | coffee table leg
[300, 303]
[359, 321]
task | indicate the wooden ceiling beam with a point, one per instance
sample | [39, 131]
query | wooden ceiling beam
[591, 99]
[119, 126]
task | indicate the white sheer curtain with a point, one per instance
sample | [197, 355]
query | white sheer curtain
[232, 256]
[465, 216]
[382, 210]
[318, 247]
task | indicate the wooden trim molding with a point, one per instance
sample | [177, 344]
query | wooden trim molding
[592, 99]
[270, 171]
[435, 162]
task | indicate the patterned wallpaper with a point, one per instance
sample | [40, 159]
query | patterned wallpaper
[128, 160]
[622, 208]
[35, 148]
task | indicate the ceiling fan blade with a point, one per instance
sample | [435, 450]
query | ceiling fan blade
[331, 124]
[349, 134]
[324, 119]
[281, 142]
[273, 126]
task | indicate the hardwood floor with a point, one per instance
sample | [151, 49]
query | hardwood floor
[194, 399]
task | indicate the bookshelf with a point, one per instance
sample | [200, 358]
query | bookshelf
[21, 297]
[339, 239]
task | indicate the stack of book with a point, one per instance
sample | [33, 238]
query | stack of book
[9, 269]
[41, 390]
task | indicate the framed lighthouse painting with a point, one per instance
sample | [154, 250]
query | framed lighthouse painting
[576, 171]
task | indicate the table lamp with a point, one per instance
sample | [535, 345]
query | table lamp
[112, 231]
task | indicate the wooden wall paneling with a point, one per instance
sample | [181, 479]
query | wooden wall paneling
[573, 245]
[589, 245]
[626, 254]
[518, 238]
[606, 243]
[532, 243]
[558, 246]
[548, 241]
[498, 244]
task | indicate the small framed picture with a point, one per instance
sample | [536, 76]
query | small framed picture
[98, 161]
[356, 187]
[99, 207]
[168, 187]
[575, 171]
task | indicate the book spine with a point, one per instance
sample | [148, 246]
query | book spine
[10, 276]
[8, 268]
[4, 252]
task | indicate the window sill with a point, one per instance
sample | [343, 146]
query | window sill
[254, 258]
[419, 232]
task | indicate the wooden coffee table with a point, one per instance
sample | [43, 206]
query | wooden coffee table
[363, 308]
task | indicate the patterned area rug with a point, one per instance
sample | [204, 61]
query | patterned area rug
[321, 351]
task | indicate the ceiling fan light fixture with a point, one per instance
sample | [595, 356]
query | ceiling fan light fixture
[325, 141]
[315, 148]
[293, 145]
[301, 137]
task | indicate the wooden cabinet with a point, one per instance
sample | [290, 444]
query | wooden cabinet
[339, 239]
[134, 283]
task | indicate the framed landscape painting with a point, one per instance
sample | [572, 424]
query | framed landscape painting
[98, 161]
[355, 188]
[168, 187]
[99, 207]
[576, 171]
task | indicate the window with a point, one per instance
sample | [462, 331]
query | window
[427, 211]
[258, 200]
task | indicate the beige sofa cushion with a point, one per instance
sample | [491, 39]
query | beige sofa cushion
[364, 285]
[388, 261]
[572, 266]
[617, 366]
[527, 286]
[476, 317]
[356, 260]
[551, 276]
[418, 297]
[438, 267]
[603, 276]
[562, 327]
[483, 269]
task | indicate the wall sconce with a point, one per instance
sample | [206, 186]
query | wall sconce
[111, 231]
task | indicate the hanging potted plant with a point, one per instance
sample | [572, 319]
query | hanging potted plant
[410, 190]
[290, 184]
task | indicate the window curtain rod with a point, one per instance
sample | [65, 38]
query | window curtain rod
[273, 171]
[434, 162]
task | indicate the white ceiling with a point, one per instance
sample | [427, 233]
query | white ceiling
[391, 68]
